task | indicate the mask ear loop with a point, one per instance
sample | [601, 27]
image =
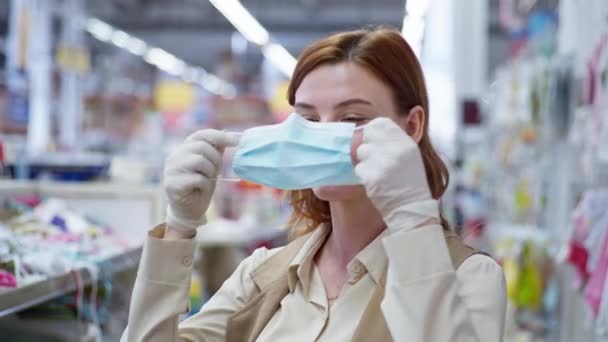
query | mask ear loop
[238, 134]
[227, 179]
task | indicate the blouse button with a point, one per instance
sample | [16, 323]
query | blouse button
[357, 268]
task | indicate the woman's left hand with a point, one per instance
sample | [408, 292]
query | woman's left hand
[390, 167]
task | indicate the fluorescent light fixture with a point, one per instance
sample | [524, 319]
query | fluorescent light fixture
[217, 85]
[127, 42]
[414, 23]
[190, 74]
[254, 32]
[158, 57]
[137, 46]
[413, 31]
[165, 61]
[242, 20]
[211, 82]
[120, 39]
[416, 8]
[175, 69]
[106, 33]
[99, 29]
[280, 57]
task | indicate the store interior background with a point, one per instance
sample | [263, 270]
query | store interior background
[95, 94]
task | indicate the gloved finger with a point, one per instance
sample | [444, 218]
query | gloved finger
[206, 150]
[184, 184]
[199, 164]
[197, 181]
[381, 129]
[216, 138]
[368, 172]
[355, 143]
[364, 151]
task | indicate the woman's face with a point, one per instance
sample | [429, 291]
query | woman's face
[343, 92]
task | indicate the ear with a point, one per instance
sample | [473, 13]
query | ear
[413, 123]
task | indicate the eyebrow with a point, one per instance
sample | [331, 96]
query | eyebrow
[339, 105]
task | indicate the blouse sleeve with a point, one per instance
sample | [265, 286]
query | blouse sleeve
[427, 300]
[161, 294]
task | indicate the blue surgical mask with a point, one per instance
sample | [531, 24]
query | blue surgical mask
[296, 154]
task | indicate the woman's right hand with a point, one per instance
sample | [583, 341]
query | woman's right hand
[390, 166]
[189, 178]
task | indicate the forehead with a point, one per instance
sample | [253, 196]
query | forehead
[330, 84]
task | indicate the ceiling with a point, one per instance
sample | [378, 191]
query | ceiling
[196, 32]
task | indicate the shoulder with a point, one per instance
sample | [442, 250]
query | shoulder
[482, 277]
[258, 257]
[480, 264]
[483, 291]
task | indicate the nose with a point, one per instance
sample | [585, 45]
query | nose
[328, 117]
[357, 140]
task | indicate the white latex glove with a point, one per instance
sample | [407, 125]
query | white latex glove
[391, 169]
[189, 177]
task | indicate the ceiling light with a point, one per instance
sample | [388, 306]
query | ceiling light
[158, 57]
[136, 46]
[413, 31]
[120, 39]
[165, 61]
[416, 8]
[99, 29]
[190, 74]
[280, 57]
[242, 20]
[211, 82]
[414, 22]
[254, 32]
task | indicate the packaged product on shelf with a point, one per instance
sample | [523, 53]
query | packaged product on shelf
[588, 248]
[50, 239]
[532, 288]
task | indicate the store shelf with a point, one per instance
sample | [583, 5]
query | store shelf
[130, 209]
[15, 300]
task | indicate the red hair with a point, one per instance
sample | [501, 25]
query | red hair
[386, 54]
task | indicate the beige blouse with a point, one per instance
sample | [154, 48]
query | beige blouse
[308, 302]
[425, 299]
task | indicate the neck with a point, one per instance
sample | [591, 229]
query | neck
[355, 224]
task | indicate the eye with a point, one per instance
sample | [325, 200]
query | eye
[354, 119]
[311, 118]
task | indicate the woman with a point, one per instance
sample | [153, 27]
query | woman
[373, 261]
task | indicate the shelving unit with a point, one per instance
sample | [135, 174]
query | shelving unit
[129, 209]
[15, 300]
